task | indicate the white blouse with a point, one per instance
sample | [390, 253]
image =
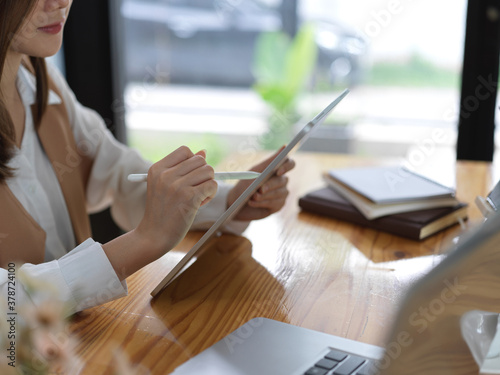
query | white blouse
[83, 277]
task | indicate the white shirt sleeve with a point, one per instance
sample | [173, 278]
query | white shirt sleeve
[113, 162]
[81, 279]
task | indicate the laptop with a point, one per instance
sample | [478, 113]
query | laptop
[426, 336]
[294, 144]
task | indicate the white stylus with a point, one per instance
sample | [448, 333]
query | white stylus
[142, 177]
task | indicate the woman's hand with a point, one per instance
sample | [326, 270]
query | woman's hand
[270, 197]
[178, 185]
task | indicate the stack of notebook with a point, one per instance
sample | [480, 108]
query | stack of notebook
[390, 199]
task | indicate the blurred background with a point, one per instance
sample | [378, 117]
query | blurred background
[242, 75]
[191, 69]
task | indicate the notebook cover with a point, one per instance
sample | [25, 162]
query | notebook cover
[372, 210]
[390, 184]
[327, 202]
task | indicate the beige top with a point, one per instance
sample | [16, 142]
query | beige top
[43, 219]
[24, 239]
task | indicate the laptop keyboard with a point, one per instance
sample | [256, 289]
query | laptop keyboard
[337, 362]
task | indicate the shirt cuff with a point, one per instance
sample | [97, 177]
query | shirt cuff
[90, 277]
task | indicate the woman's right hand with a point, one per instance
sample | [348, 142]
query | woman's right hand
[178, 185]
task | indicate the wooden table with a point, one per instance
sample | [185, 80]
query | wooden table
[295, 267]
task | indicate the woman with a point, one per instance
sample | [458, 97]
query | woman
[58, 161]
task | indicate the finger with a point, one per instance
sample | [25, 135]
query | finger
[287, 166]
[175, 157]
[198, 176]
[270, 205]
[202, 153]
[263, 164]
[205, 201]
[189, 165]
[270, 196]
[256, 213]
[206, 191]
[273, 184]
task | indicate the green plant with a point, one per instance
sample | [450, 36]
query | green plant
[282, 67]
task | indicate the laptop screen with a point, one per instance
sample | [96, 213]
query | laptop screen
[429, 335]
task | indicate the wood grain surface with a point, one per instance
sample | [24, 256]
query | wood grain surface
[295, 267]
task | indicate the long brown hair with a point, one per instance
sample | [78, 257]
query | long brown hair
[13, 13]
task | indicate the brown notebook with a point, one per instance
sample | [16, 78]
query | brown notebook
[416, 225]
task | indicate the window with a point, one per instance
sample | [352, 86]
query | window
[410, 82]
[190, 70]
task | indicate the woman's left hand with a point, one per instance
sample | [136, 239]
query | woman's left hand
[270, 197]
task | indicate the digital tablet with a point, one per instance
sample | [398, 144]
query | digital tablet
[270, 170]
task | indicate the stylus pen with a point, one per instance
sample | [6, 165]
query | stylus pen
[142, 177]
